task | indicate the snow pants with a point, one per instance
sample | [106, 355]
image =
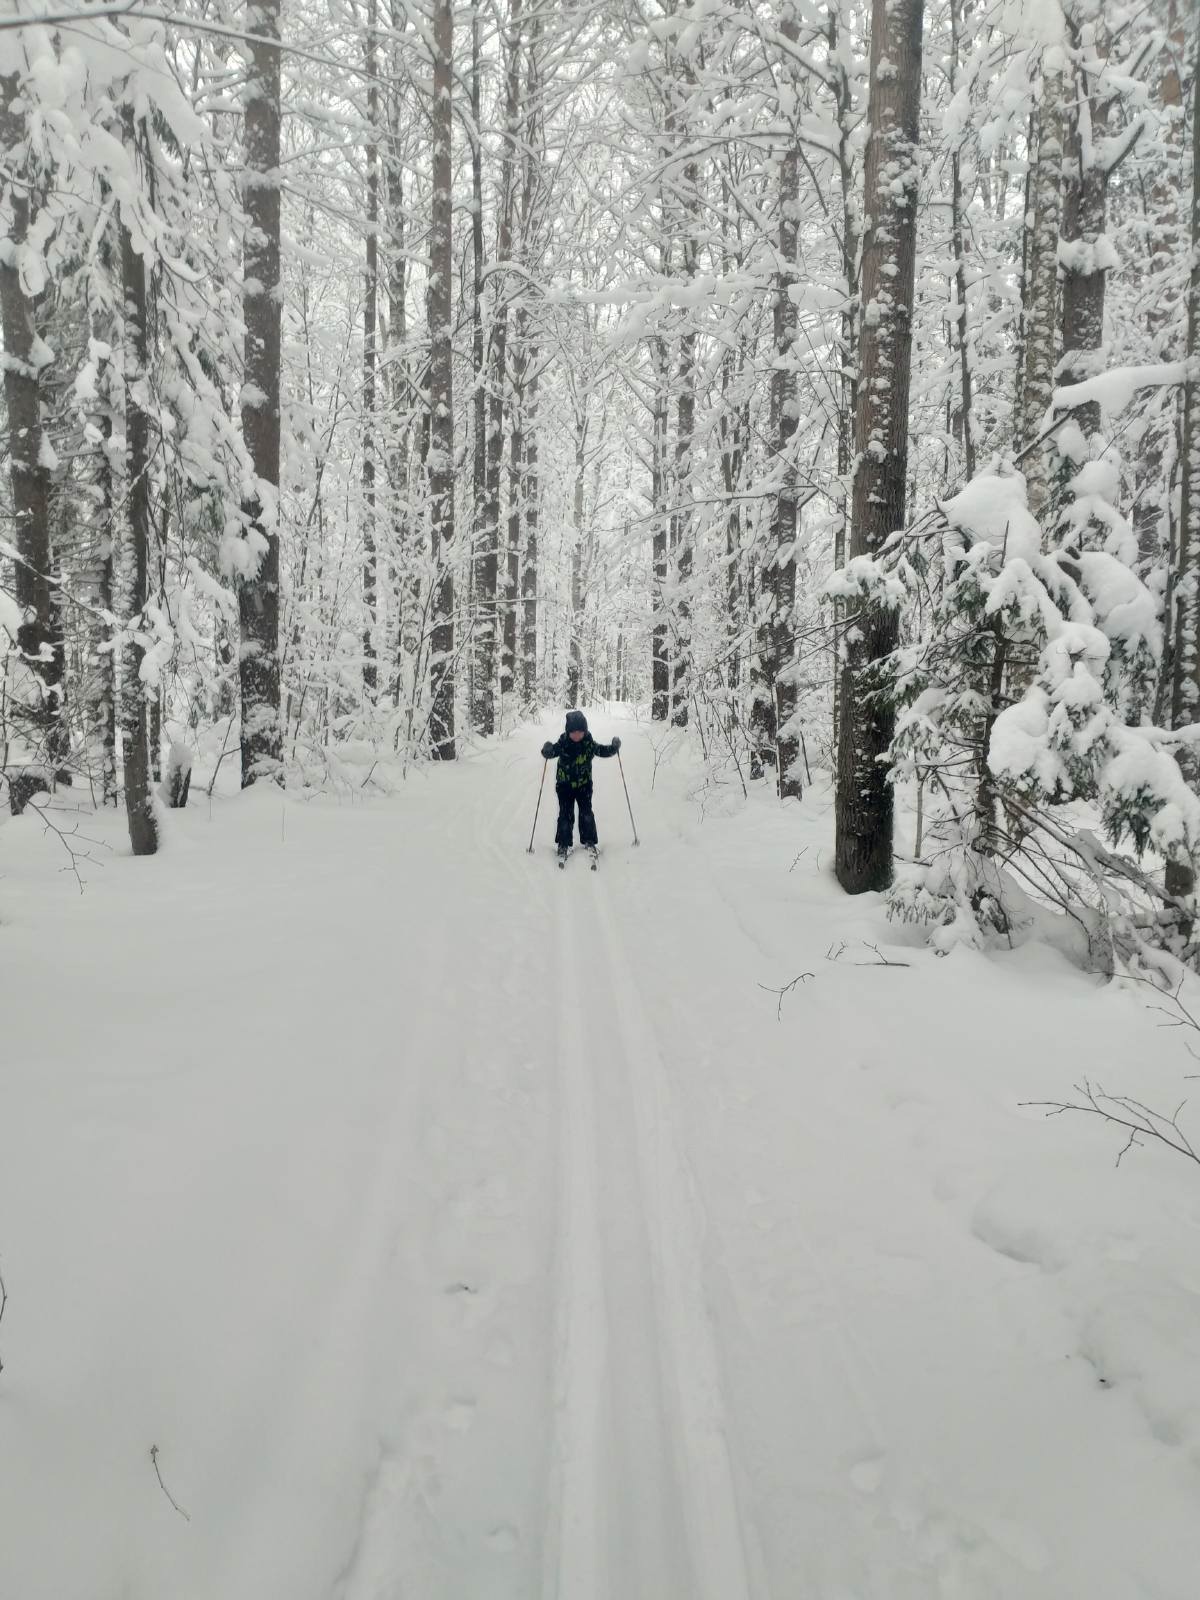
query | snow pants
[568, 799]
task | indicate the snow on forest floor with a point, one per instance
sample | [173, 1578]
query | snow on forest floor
[454, 1228]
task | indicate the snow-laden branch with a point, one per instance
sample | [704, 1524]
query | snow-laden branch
[1114, 390]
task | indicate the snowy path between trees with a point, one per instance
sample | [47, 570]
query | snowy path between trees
[459, 1229]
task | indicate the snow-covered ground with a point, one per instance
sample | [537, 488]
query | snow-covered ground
[435, 1224]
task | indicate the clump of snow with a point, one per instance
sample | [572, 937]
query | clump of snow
[993, 509]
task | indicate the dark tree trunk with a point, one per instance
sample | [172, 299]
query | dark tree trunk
[848, 373]
[40, 636]
[370, 335]
[529, 565]
[960, 342]
[1084, 277]
[864, 795]
[439, 314]
[481, 565]
[135, 733]
[505, 629]
[775, 703]
[575, 655]
[1185, 687]
[660, 662]
[1040, 287]
[258, 589]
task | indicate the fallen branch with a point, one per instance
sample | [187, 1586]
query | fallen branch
[802, 977]
[1138, 1120]
[163, 1487]
[880, 959]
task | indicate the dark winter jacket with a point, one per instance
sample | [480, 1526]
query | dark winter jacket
[575, 760]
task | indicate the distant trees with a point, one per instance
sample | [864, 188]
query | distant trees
[545, 352]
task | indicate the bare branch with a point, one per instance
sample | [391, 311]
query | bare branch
[163, 1487]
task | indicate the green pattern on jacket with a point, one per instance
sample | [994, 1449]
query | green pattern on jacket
[575, 760]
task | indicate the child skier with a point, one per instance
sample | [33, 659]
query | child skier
[575, 748]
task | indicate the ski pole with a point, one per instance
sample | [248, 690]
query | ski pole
[541, 786]
[625, 786]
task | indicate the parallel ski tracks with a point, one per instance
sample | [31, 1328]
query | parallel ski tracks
[644, 1500]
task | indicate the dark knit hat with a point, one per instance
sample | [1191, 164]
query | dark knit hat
[576, 722]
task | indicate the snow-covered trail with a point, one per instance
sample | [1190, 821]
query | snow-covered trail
[460, 1229]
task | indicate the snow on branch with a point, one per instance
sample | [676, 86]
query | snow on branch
[1115, 389]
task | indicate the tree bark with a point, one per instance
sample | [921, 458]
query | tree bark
[660, 663]
[505, 627]
[370, 336]
[1152, 500]
[135, 734]
[40, 635]
[439, 313]
[959, 329]
[775, 704]
[1084, 261]
[481, 565]
[258, 587]
[1040, 287]
[529, 565]
[864, 795]
[839, 49]
[1185, 687]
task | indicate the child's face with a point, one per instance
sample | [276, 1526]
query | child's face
[575, 736]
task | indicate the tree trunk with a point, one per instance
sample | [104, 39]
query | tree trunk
[959, 329]
[40, 635]
[397, 395]
[135, 734]
[1185, 687]
[660, 666]
[1083, 260]
[505, 628]
[839, 52]
[258, 588]
[529, 566]
[1040, 288]
[370, 335]
[864, 795]
[575, 657]
[481, 564]
[1152, 499]
[439, 315]
[516, 469]
[775, 704]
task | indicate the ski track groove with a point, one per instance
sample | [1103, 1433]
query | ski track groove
[685, 1336]
[643, 1501]
[574, 1549]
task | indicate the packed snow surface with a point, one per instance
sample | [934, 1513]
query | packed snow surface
[385, 1213]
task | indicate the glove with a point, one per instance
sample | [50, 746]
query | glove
[616, 744]
[547, 751]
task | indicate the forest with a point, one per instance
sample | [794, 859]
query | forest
[789, 1190]
[812, 374]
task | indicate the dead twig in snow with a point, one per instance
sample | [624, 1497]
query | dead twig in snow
[880, 959]
[1138, 1120]
[162, 1485]
[64, 837]
[802, 977]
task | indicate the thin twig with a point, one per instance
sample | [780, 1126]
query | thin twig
[163, 1487]
[787, 989]
[1124, 1112]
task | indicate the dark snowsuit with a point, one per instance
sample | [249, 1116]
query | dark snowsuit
[573, 781]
